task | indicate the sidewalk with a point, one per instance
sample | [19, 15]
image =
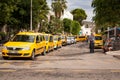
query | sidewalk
[114, 53]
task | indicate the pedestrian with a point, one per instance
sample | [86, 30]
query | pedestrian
[91, 43]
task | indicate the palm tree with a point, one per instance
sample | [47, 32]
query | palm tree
[41, 12]
[58, 7]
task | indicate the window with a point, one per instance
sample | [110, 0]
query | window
[37, 39]
[51, 38]
[24, 38]
[98, 38]
[41, 38]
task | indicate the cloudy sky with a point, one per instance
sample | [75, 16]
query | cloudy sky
[84, 4]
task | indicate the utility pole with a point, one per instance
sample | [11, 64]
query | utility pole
[31, 15]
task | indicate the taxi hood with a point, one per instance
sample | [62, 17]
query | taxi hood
[18, 44]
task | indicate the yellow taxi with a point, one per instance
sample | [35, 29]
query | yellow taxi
[82, 38]
[77, 38]
[98, 42]
[49, 42]
[24, 44]
[64, 39]
[57, 41]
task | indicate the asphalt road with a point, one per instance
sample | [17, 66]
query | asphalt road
[72, 62]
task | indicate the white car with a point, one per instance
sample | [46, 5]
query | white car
[73, 40]
[69, 40]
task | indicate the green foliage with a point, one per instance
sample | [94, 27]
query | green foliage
[55, 25]
[79, 15]
[67, 25]
[75, 27]
[2, 36]
[71, 26]
[58, 7]
[6, 8]
[16, 13]
[107, 12]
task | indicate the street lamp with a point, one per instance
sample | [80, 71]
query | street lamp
[31, 15]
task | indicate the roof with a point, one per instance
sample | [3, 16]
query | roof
[28, 33]
[118, 28]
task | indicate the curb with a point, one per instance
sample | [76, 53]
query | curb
[113, 53]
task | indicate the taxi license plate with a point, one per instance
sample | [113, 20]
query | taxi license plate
[13, 52]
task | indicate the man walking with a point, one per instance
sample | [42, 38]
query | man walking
[91, 43]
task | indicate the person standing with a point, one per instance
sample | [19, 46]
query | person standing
[91, 43]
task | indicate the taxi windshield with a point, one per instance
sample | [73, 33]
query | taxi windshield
[24, 38]
[98, 38]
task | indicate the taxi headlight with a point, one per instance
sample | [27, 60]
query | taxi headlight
[4, 47]
[26, 48]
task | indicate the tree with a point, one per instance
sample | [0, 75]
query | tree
[107, 12]
[79, 15]
[58, 7]
[6, 9]
[67, 25]
[16, 13]
[75, 27]
[40, 11]
[55, 25]
[71, 26]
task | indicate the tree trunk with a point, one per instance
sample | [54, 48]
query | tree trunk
[4, 28]
[38, 27]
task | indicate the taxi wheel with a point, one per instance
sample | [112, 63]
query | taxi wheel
[61, 46]
[53, 48]
[44, 52]
[48, 50]
[5, 58]
[32, 56]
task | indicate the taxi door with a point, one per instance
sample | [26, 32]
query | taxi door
[51, 42]
[42, 44]
[38, 45]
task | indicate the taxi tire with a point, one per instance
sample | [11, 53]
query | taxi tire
[48, 50]
[61, 46]
[5, 58]
[53, 48]
[32, 56]
[44, 52]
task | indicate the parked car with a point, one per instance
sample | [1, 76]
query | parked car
[57, 41]
[98, 42]
[77, 38]
[49, 42]
[82, 38]
[73, 40]
[69, 40]
[24, 44]
[64, 39]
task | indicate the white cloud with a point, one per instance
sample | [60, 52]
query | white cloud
[84, 4]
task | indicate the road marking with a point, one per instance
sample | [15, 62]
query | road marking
[44, 70]
[115, 70]
[27, 63]
[81, 70]
[8, 70]
[5, 64]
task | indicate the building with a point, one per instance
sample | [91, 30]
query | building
[87, 28]
[67, 15]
